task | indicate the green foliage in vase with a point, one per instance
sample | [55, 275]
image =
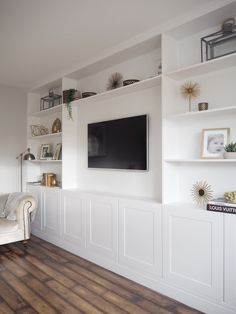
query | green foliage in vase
[231, 148]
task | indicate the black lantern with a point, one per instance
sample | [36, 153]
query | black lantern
[50, 101]
[220, 43]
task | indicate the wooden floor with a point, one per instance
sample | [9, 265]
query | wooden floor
[46, 279]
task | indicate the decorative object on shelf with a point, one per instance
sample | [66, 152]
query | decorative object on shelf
[88, 94]
[130, 81]
[190, 90]
[50, 100]
[57, 153]
[214, 141]
[45, 148]
[230, 196]
[201, 192]
[56, 126]
[230, 151]
[21, 157]
[159, 70]
[224, 205]
[115, 81]
[220, 43]
[49, 179]
[37, 130]
[202, 106]
[48, 156]
[70, 95]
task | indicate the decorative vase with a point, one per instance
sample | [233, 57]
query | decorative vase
[230, 155]
[202, 106]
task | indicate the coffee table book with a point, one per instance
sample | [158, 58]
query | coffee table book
[221, 205]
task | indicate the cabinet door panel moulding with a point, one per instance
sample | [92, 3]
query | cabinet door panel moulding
[51, 211]
[193, 250]
[102, 226]
[230, 259]
[140, 243]
[73, 218]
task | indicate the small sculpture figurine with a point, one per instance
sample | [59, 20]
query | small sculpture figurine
[230, 196]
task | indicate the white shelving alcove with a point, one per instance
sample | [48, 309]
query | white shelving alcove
[143, 224]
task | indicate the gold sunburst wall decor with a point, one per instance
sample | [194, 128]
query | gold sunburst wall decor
[201, 192]
[190, 90]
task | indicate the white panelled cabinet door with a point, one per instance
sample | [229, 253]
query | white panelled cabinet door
[73, 218]
[140, 243]
[51, 211]
[230, 259]
[193, 250]
[102, 226]
[36, 191]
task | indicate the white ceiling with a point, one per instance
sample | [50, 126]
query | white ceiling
[42, 38]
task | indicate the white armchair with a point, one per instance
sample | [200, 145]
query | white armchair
[19, 229]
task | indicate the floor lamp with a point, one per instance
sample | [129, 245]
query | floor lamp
[23, 156]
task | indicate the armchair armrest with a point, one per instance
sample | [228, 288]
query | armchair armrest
[25, 207]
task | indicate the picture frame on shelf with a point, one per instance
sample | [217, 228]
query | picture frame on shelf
[57, 152]
[213, 142]
[45, 149]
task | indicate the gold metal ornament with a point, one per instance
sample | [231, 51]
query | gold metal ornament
[201, 192]
[56, 127]
[190, 90]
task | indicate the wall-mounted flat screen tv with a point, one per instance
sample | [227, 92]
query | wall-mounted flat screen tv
[119, 144]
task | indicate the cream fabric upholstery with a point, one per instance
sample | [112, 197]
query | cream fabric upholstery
[18, 230]
[8, 225]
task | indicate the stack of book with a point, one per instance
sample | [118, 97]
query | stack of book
[221, 205]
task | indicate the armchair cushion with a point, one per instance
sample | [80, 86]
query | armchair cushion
[3, 201]
[8, 225]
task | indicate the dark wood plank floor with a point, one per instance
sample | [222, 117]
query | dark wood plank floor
[46, 279]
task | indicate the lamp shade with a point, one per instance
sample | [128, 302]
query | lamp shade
[29, 156]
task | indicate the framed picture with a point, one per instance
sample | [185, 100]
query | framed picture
[45, 148]
[57, 152]
[214, 141]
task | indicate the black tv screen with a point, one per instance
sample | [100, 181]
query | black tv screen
[118, 144]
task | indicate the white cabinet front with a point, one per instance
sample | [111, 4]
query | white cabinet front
[102, 225]
[230, 259]
[193, 250]
[140, 244]
[36, 191]
[51, 211]
[73, 218]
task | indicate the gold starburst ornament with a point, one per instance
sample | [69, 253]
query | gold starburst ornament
[201, 192]
[190, 90]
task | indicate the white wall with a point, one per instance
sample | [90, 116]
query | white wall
[136, 183]
[12, 136]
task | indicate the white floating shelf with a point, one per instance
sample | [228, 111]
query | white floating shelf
[204, 113]
[144, 84]
[204, 67]
[46, 136]
[47, 112]
[198, 160]
[44, 161]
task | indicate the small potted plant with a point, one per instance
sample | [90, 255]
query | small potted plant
[69, 96]
[230, 151]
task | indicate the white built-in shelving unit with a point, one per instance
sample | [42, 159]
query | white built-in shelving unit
[176, 248]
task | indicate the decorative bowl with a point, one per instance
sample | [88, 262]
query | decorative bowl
[130, 81]
[88, 94]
